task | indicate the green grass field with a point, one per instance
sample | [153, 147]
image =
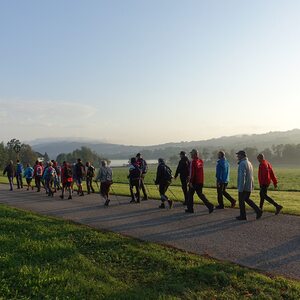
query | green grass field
[48, 258]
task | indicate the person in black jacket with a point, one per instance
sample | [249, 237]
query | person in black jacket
[163, 180]
[90, 174]
[80, 173]
[183, 169]
[134, 177]
[10, 172]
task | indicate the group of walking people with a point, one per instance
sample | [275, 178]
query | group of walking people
[53, 178]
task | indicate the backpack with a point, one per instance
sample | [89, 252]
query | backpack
[29, 173]
[39, 171]
[90, 172]
[135, 173]
[167, 173]
[68, 172]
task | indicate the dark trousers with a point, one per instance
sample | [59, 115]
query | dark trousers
[19, 181]
[184, 187]
[163, 187]
[264, 196]
[135, 183]
[89, 185]
[221, 189]
[245, 197]
[105, 188]
[11, 182]
[198, 189]
[142, 186]
[38, 182]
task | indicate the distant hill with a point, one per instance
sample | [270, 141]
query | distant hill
[114, 151]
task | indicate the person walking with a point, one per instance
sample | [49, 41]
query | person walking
[222, 176]
[144, 168]
[66, 180]
[245, 186]
[28, 174]
[105, 177]
[134, 177]
[80, 173]
[196, 181]
[19, 174]
[10, 173]
[266, 175]
[183, 170]
[163, 180]
[37, 174]
[90, 174]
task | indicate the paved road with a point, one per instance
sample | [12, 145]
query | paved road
[271, 244]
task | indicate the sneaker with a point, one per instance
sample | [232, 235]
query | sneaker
[162, 206]
[240, 218]
[170, 202]
[219, 207]
[190, 211]
[211, 209]
[278, 209]
[233, 204]
[106, 202]
[259, 214]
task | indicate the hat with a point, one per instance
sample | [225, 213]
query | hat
[241, 152]
[182, 153]
[194, 151]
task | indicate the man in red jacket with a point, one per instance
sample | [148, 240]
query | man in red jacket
[196, 180]
[265, 177]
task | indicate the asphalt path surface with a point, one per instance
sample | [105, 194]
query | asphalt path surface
[271, 244]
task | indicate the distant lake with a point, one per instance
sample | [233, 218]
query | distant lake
[125, 162]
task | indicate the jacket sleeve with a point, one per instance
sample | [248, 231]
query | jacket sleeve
[272, 175]
[192, 171]
[177, 170]
[158, 175]
[219, 172]
[241, 177]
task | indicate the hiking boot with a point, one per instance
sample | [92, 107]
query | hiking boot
[82, 194]
[61, 197]
[211, 209]
[145, 198]
[219, 207]
[278, 209]
[240, 218]
[190, 211]
[170, 202]
[259, 214]
[162, 206]
[233, 204]
[138, 201]
[107, 202]
[70, 197]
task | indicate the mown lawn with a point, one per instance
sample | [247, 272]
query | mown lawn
[48, 258]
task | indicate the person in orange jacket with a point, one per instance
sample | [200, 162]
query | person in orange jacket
[265, 177]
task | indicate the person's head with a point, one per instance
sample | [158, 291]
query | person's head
[194, 154]
[260, 157]
[79, 160]
[18, 161]
[221, 154]
[64, 163]
[104, 163]
[36, 162]
[133, 160]
[40, 163]
[10, 162]
[139, 155]
[182, 154]
[50, 164]
[88, 164]
[28, 165]
[161, 161]
[241, 154]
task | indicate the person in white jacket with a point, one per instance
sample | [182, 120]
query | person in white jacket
[246, 186]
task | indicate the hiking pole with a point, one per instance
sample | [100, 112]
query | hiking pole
[117, 198]
[173, 194]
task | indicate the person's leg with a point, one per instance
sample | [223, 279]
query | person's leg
[220, 196]
[142, 186]
[242, 206]
[227, 196]
[88, 185]
[190, 204]
[91, 186]
[131, 185]
[184, 187]
[11, 185]
[138, 193]
[262, 194]
[252, 205]
[268, 198]
[199, 191]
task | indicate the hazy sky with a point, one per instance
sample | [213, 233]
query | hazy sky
[146, 72]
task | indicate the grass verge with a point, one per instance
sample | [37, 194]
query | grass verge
[48, 258]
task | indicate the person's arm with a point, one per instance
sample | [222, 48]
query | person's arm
[273, 177]
[241, 177]
[158, 175]
[177, 170]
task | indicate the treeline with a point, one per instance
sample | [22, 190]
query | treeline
[14, 150]
[85, 153]
[288, 154]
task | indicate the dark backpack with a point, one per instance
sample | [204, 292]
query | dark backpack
[68, 172]
[135, 173]
[168, 174]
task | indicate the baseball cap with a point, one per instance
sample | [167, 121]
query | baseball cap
[182, 153]
[241, 152]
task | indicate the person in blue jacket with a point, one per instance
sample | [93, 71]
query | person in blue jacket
[19, 174]
[28, 174]
[222, 175]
